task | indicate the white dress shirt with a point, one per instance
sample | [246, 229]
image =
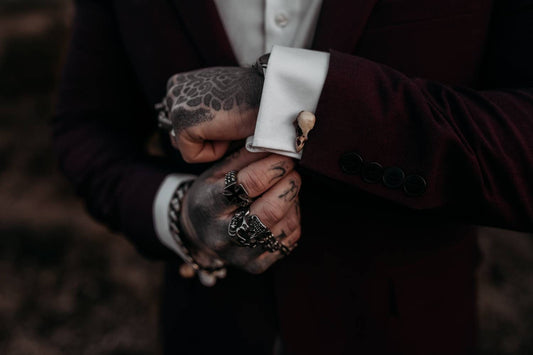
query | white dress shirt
[255, 26]
[293, 80]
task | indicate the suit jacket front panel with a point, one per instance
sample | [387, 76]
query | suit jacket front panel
[364, 267]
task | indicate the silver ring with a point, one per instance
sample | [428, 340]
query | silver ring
[247, 230]
[285, 250]
[272, 244]
[234, 192]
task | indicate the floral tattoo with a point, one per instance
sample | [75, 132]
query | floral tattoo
[194, 97]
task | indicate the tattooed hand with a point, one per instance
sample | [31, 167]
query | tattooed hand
[211, 107]
[206, 213]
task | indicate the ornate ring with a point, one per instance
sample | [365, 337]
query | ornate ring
[272, 245]
[285, 250]
[234, 192]
[247, 230]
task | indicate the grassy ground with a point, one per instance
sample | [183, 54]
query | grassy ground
[70, 287]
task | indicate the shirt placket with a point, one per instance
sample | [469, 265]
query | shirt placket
[279, 24]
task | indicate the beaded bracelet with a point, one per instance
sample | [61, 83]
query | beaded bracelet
[207, 275]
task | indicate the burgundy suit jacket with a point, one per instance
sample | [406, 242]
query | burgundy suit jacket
[424, 129]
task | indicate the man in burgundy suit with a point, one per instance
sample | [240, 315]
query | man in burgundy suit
[423, 130]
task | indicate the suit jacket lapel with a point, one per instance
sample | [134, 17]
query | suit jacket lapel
[203, 24]
[341, 24]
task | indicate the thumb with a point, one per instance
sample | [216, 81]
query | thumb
[201, 151]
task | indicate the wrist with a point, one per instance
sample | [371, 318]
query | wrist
[208, 269]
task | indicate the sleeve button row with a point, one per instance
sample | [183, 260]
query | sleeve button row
[352, 163]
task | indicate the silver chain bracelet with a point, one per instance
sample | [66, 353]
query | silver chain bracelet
[207, 275]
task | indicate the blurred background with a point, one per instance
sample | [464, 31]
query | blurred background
[68, 286]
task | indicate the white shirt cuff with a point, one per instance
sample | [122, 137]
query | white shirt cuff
[293, 82]
[161, 206]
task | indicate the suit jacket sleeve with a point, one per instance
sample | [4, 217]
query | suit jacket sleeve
[100, 130]
[474, 148]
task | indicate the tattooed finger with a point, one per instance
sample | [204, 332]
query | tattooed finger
[261, 175]
[270, 208]
[291, 192]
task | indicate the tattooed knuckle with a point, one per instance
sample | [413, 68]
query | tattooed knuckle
[280, 169]
[297, 178]
[291, 192]
[288, 162]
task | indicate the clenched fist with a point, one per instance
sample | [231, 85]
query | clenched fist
[211, 107]
[206, 212]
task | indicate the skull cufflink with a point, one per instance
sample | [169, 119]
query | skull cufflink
[305, 121]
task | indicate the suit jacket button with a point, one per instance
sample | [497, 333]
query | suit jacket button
[414, 185]
[372, 172]
[351, 163]
[393, 177]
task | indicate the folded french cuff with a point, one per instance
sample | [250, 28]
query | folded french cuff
[293, 83]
